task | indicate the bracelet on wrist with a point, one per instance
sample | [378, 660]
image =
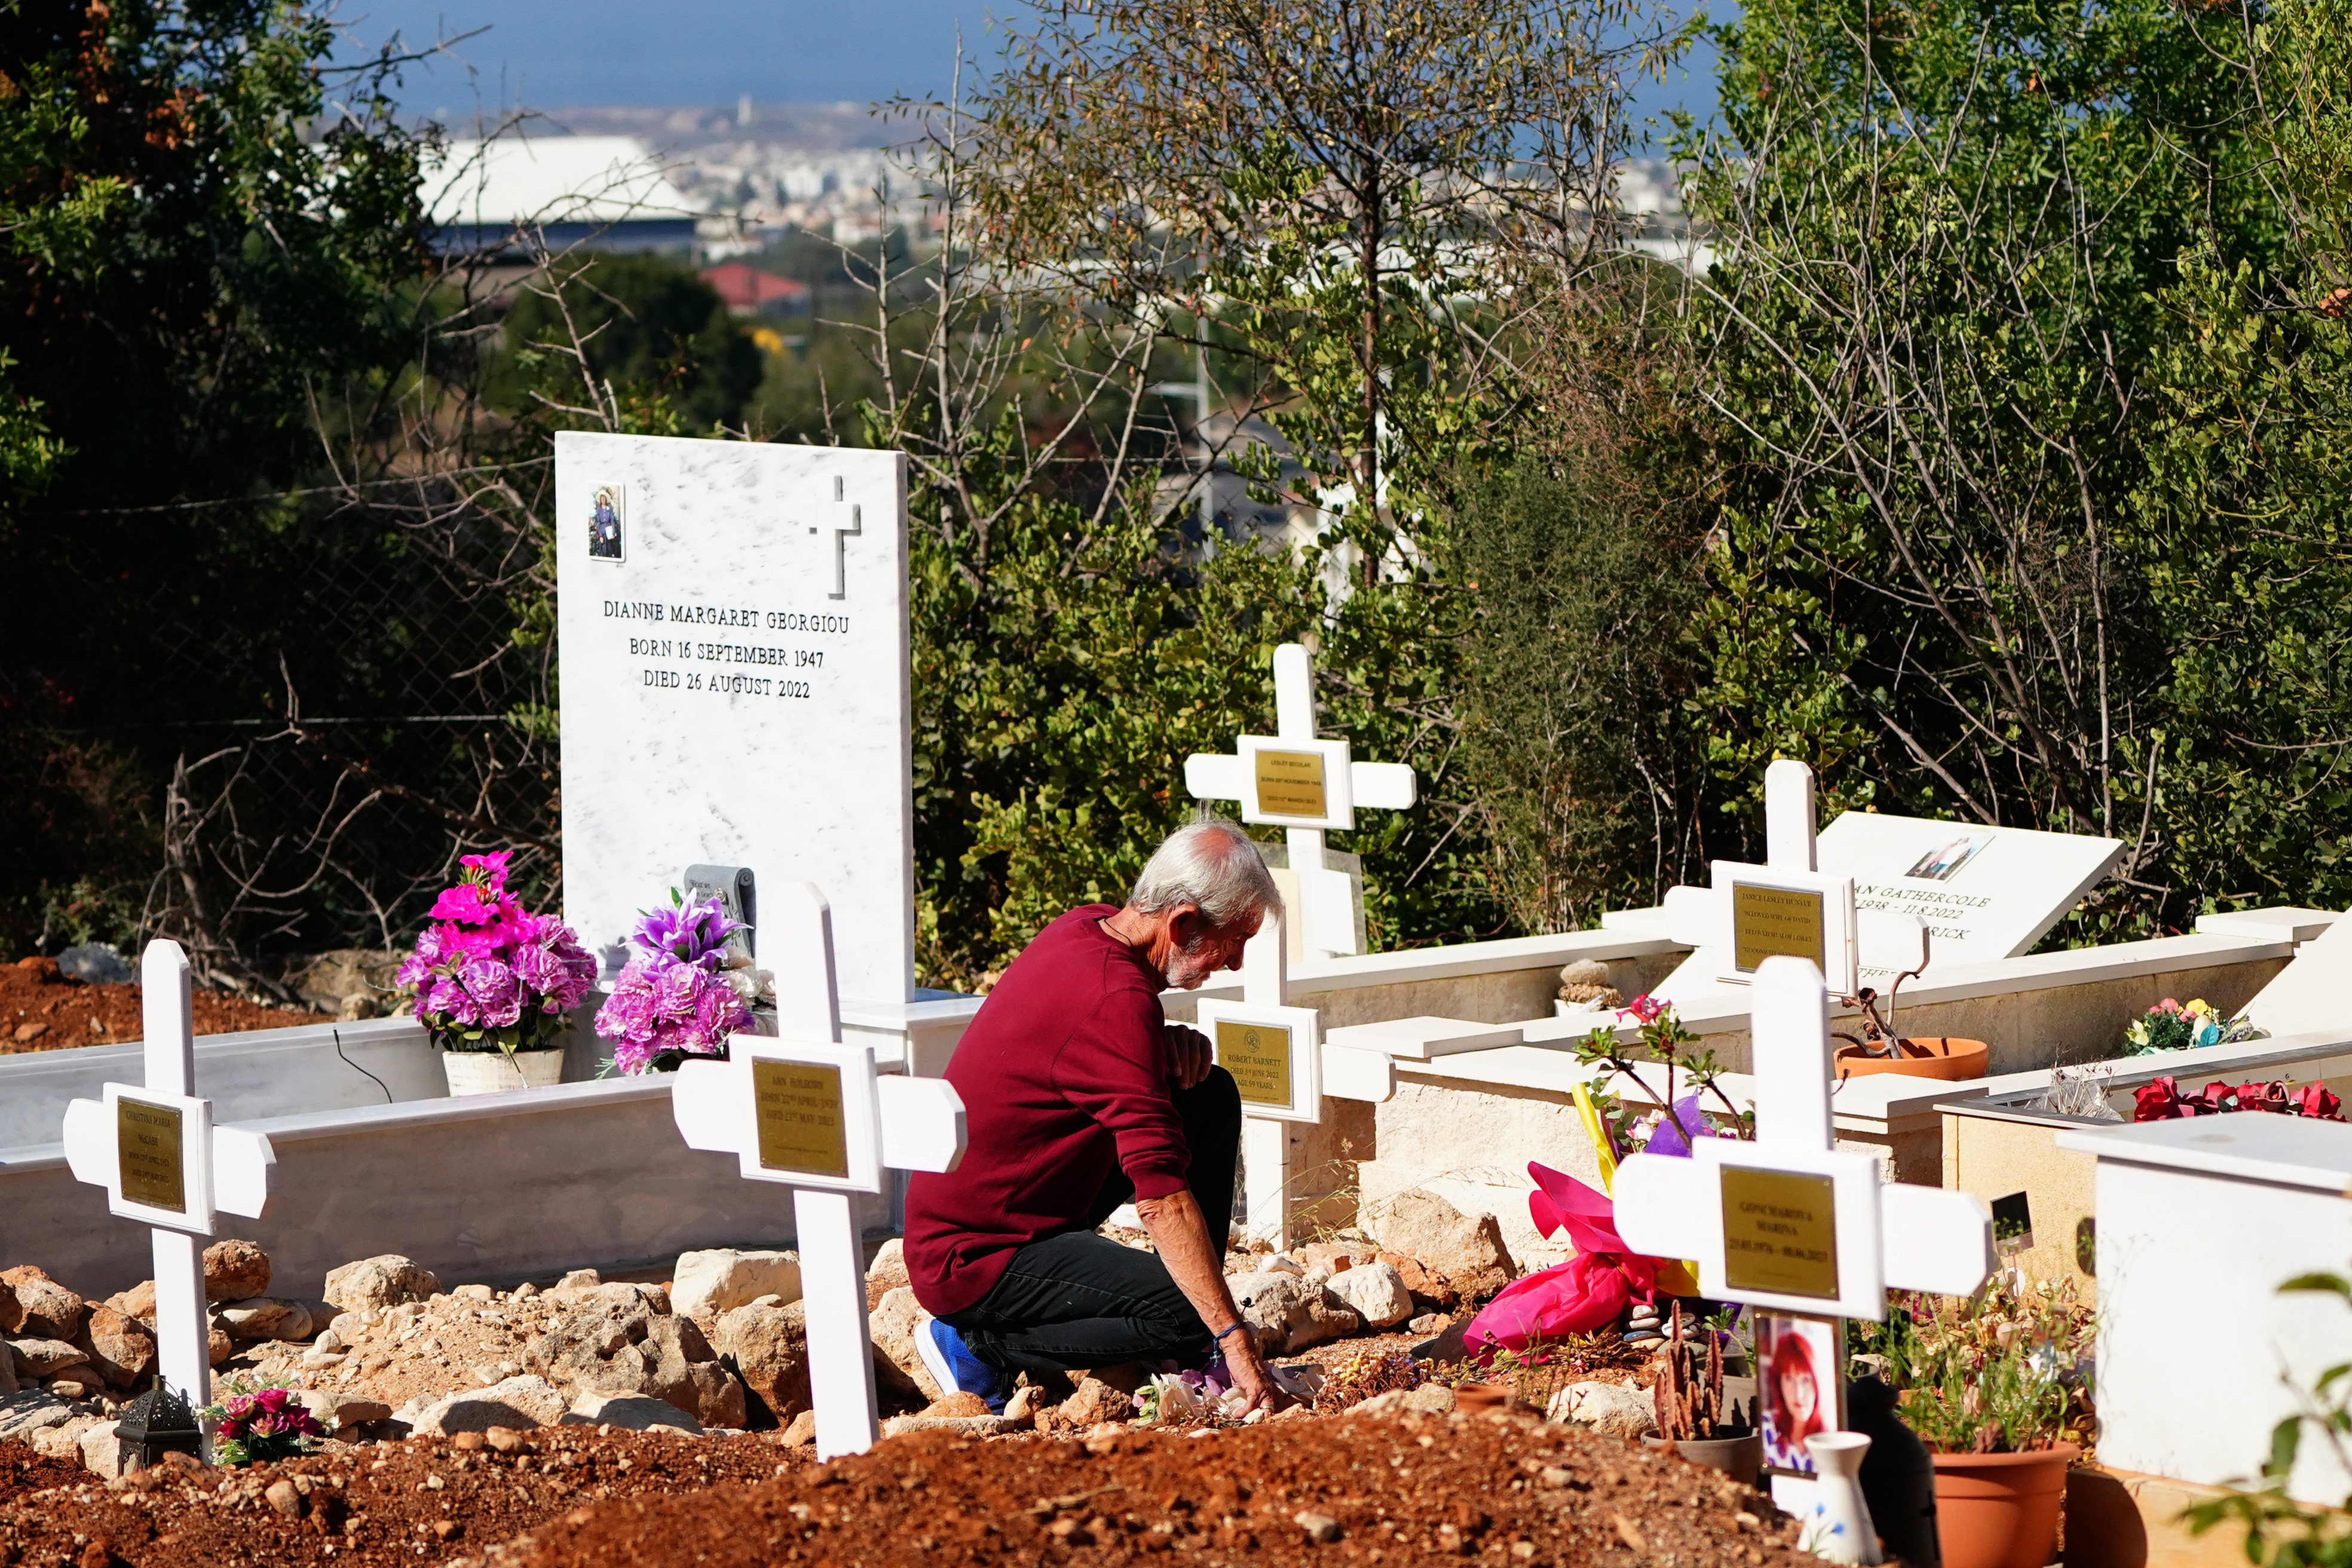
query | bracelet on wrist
[1236, 1328]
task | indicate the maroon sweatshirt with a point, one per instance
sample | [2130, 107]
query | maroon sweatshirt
[1063, 1071]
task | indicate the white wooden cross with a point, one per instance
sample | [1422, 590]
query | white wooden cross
[846, 522]
[1785, 906]
[155, 1151]
[1294, 781]
[1279, 1062]
[813, 1114]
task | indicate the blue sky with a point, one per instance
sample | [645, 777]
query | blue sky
[549, 54]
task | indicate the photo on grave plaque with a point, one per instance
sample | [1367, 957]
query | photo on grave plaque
[1800, 1386]
[1939, 864]
[799, 1110]
[607, 534]
[1771, 923]
[147, 1144]
[1779, 1232]
[1258, 1056]
[1290, 783]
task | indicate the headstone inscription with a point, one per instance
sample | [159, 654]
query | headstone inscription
[154, 1148]
[804, 1110]
[1788, 1224]
[732, 630]
[1308, 786]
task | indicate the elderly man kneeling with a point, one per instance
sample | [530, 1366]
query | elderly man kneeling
[1079, 1096]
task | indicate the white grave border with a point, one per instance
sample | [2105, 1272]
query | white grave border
[1305, 1028]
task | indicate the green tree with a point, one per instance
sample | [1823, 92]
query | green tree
[640, 321]
[1939, 234]
[2242, 522]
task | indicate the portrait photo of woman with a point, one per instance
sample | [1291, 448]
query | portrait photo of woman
[1798, 1360]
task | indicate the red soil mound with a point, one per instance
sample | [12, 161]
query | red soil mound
[42, 1010]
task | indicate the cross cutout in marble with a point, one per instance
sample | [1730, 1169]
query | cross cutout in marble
[846, 522]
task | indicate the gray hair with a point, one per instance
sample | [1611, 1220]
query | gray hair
[1211, 865]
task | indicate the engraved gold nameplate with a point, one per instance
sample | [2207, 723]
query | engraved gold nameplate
[1290, 783]
[1258, 1056]
[1770, 923]
[1779, 1233]
[800, 1117]
[147, 1144]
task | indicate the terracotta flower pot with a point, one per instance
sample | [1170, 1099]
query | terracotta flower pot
[2001, 1510]
[1740, 1457]
[1928, 1056]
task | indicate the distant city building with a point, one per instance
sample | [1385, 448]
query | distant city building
[748, 291]
[604, 192]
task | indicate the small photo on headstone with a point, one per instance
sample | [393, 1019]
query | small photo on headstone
[607, 537]
[1938, 865]
[1800, 1384]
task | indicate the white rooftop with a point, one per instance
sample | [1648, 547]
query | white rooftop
[550, 179]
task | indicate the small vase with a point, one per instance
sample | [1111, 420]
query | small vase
[1838, 1530]
[496, 1072]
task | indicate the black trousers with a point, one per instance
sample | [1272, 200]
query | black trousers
[1080, 1300]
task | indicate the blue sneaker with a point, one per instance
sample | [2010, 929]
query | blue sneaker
[954, 1368]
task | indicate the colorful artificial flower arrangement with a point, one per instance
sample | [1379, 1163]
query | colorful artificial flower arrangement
[2170, 1027]
[2162, 1100]
[1635, 1129]
[686, 990]
[489, 975]
[259, 1427]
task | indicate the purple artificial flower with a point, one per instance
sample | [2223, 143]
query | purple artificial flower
[695, 932]
[493, 986]
[660, 1004]
[1681, 1123]
[449, 999]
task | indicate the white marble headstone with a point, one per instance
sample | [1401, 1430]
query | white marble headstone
[1982, 893]
[734, 683]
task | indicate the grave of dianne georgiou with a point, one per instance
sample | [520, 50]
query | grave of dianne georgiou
[734, 657]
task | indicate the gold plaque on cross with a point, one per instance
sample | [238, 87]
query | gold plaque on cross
[1772, 922]
[147, 1152]
[1779, 1232]
[800, 1117]
[1290, 783]
[1258, 1056]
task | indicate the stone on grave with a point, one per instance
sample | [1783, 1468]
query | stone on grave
[234, 1270]
[94, 964]
[1611, 1409]
[518, 1402]
[630, 1412]
[719, 1280]
[888, 1270]
[625, 1340]
[44, 1358]
[385, 1281]
[1375, 1292]
[32, 1410]
[40, 1307]
[1288, 1314]
[734, 666]
[897, 1317]
[263, 1318]
[767, 1344]
[1466, 1251]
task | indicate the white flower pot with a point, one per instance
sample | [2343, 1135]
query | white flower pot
[495, 1072]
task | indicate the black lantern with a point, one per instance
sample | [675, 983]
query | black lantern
[159, 1422]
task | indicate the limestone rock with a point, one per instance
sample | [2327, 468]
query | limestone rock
[76, 1382]
[1606, 1407]
[384, 1281]
[101, 1451]
[963, 1426]
[1375, 1293]
[340, 1413]
[1288, 1313]
[139, 1302]
[262, 1318]
[1430, 1399]
[44, 1358]
[895, 1323]
[234, 1270]
[707, 1283]
[1332, 1257]
[118, 1347]
[958, 1403]
[43, 1310]
[1096, 1402]
[517, 1402]
[63, 1441]
[1467, 1251]
[32, 1410]
[625, 1340]
[767, 1345]
[218, 1346]
[888, 1270]
[1429, 1289]
[9, 1382]
[629, 1412]
[802, 1430]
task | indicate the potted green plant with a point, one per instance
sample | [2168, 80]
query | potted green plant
[1995, 1386]
[1694, 1417]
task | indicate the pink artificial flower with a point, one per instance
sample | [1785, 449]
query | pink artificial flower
[449, 999]
[493, 867]
[2167, 1006]
[1645, 1008]
[492, 984]
[467, 902]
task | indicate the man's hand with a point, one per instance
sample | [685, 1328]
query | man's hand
[1181, 1236]
[1190, 1054]
[1250, 1376]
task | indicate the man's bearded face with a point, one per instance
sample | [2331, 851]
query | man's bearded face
[1193, 962]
